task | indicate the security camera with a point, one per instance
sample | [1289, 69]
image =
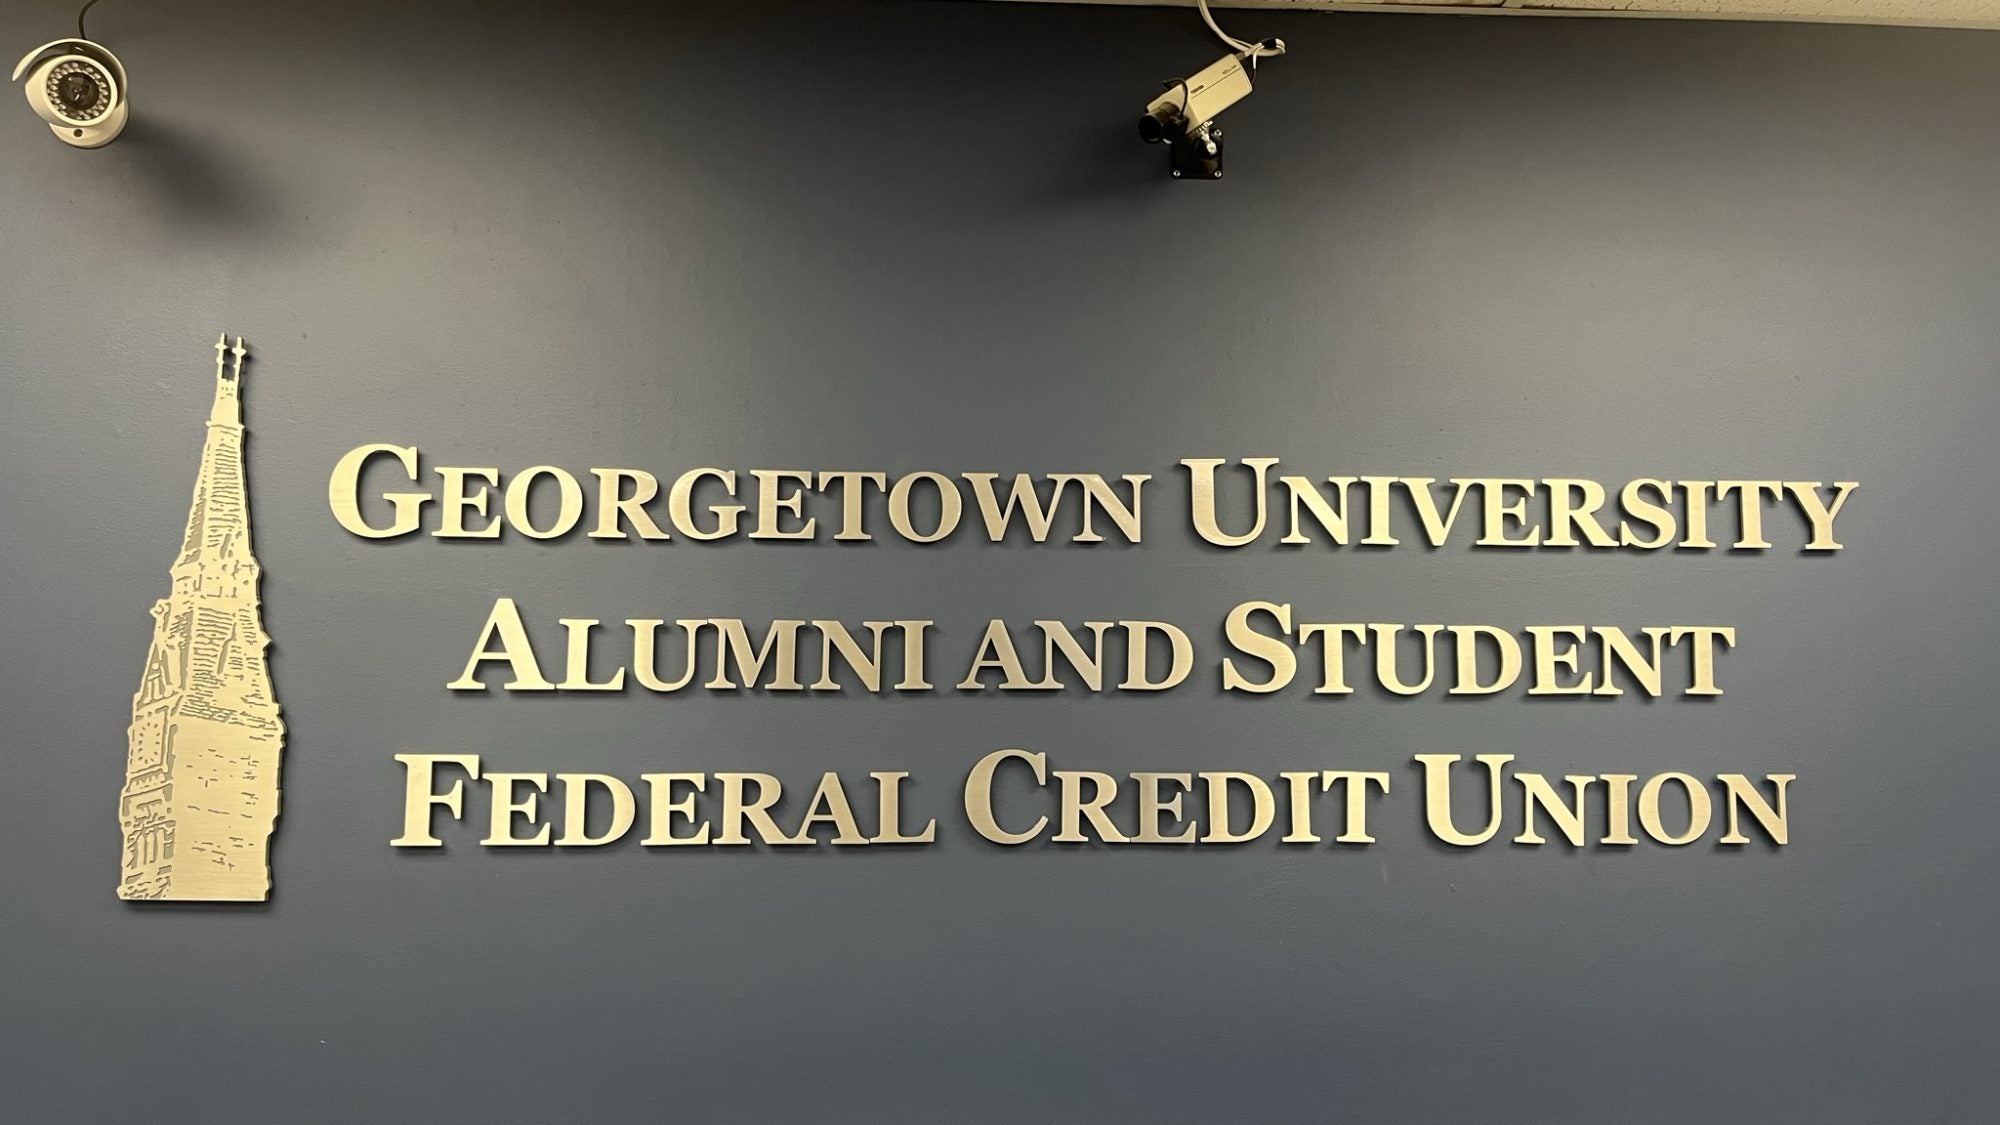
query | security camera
[1184, 116]
[78, 87]
[1194, 102]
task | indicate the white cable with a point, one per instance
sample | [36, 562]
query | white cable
[1248, 50]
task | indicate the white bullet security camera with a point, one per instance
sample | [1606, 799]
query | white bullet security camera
[78, 87]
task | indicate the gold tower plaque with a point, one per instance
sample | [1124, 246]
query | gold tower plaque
[201, 775]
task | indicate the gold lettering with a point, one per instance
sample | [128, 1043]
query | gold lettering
[913, 655]
[1750, 509]
[1706, 640]
[866, 666]
[1656, 516]
[1819, 513]
[613, 506]
[660, 788]
[781, 639]
[1381, 501]
[1436, 528]
[851, 495]
[1357, 782]
[1697, 516]
[1021, 497]
[1152, 807]
[829, 806]
[1699, 809]
[577, 674]
[680, 505]
[1089, 666]
[645, 652]
[737, 810]
[1437, 797]
[979, 795]
[1619, 649]
[1498, 511]
[1504, 645]
[772, 506]
[1250, 642]
[1098, 494]
[1138, 647]
[507, 804]
[1263, 808]
[576, 809]
[568, 515]
[343, 492]
[420, 795]
[889, 813]
[456, 502]
[1076, 809]
[1549, 657]
[1332, 520]
[1332, 653]
[1741, 791]
[1618, 809]
[950, 507]
[504, 623]
[1386, 672]
[1201, 497]
[996, 651]
[1573, 506]
[1537, 793]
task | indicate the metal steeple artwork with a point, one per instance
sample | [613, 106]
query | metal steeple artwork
[201, 773]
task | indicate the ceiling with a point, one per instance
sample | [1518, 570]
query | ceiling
[1930, 13]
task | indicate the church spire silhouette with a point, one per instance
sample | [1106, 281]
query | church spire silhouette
[201, 773]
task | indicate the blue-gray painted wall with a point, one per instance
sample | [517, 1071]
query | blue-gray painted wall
[908, 236]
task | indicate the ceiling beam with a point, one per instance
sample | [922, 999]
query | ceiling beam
[1979, 14]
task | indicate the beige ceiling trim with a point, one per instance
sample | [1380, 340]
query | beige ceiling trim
[1982, 14]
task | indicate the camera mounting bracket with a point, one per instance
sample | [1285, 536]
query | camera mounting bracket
[1195, 154]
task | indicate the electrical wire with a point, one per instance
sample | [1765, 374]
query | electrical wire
[80, 32]
[1244, 47]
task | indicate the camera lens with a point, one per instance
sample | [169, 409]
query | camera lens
[79, 90]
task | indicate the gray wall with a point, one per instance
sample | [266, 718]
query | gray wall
[921, 235]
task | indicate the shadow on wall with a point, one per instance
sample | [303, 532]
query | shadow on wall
[1107, 165]
[198, 183]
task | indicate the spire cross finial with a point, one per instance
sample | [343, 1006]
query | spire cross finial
[227, 409]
